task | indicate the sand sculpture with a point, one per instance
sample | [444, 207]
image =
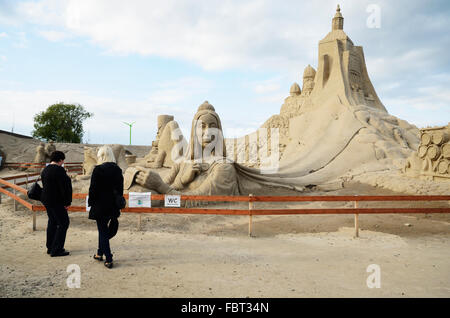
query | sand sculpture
[49, 148]
[334, 127]
[3, 158]
[167, 137]
[198, 172]
[40, 153]
[90, 158]
[432, 159]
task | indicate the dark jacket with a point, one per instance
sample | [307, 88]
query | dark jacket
[57, 186]
[105, 178]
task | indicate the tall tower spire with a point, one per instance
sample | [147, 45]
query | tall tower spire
[338, 20]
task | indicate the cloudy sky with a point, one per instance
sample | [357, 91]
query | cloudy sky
[133, 60]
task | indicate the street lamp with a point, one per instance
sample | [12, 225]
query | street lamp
[131, 125]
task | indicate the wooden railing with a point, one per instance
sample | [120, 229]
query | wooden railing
[69, 166]
[250, 200]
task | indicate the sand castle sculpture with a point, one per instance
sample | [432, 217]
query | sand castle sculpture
[432, 159]
[198, 171]
[331, 129]
[335, 126]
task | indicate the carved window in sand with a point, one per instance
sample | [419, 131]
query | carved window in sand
[354, 71]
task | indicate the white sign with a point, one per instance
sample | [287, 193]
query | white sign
[173, 201]
[140, 199]
[88, 208]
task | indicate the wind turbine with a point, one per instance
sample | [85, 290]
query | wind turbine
[131, 125]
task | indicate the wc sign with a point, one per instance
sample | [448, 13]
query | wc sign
[172, 201]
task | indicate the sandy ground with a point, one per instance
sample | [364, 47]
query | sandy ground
[212, 256]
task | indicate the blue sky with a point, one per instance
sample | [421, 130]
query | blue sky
[133, 60]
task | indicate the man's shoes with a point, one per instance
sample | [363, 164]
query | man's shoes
[49, 252]
[60, 253]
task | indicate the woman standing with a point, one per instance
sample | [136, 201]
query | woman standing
[106, 186]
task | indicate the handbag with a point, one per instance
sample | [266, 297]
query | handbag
[113, 226]
[35, 191]
[119, 200]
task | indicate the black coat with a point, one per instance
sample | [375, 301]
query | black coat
[57, 187]
[105, 178]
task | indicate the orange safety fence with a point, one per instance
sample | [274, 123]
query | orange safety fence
[251, 200]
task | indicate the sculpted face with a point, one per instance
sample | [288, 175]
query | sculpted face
[209, 127]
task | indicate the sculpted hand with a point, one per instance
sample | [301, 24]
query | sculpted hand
[191, 173]
[149, 179]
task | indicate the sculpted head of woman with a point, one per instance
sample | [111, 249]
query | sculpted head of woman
[206, 135]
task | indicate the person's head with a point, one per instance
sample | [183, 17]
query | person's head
[105, 154]
[57, 157]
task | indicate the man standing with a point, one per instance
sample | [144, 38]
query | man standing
[56, 197]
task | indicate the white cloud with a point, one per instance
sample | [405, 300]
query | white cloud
[54, 36]
[3, 35]
[214, 34]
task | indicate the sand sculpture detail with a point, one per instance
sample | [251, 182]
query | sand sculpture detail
[44, 151]
[40, 153]
[432, 159]
[167, 136]
[198, 172]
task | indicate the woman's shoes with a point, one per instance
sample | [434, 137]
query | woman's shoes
[100, 258]
[109, 264]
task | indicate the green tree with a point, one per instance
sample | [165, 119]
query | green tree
[61, 123]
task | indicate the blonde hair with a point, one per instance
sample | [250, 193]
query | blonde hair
[105, 154]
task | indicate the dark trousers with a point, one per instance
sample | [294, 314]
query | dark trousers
[58, 223]
[103, 239]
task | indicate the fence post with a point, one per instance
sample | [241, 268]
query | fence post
[34, 220]
[26, 181]
[356, 221]
[250, 208]
[15, 202]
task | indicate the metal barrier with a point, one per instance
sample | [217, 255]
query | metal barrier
[251, 199]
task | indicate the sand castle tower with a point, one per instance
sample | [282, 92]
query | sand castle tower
[342, 69]
[308, 80]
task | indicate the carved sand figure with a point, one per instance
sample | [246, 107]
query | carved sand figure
[40, 153]
[90, 160]
[49, 148]
[167, 137]
[204, 170]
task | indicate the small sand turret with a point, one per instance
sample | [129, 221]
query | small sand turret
[295, 90]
